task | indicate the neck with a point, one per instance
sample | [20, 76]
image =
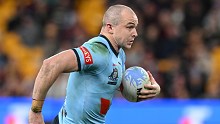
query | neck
[112, 41]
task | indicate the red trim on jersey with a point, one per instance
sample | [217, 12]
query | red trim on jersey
[87, 55]
[105, 103]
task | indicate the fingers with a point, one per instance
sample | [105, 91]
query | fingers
[152, 80]
[147, 92]
[145, 97]
[153, 86]
[150, 90]
[149, 86]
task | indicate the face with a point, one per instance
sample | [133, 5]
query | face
[125, 32]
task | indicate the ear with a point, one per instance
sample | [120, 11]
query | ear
[109, 28]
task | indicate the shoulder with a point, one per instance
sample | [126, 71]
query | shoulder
[99, 52]
[96, 46]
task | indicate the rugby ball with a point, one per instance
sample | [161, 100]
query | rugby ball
[133, 81]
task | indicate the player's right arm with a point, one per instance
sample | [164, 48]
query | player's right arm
[65, 61]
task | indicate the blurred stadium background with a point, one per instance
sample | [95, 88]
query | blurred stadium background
[179, 42]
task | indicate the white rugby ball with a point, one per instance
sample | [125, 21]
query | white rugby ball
[133, 81]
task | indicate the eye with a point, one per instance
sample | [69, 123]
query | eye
[130, 27]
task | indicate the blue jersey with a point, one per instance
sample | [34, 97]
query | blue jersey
[90, 90]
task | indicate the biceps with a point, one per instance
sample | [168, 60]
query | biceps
[65, 61]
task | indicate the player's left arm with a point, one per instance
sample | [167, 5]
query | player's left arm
[150, 90]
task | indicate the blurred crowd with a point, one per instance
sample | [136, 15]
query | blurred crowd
[179, 42]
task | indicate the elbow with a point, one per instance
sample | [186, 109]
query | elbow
[48, 65]
[47, 62]
[52, 65]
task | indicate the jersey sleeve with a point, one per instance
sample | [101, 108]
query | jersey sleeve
[89, 60]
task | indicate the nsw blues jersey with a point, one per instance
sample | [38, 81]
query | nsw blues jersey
[90, 90]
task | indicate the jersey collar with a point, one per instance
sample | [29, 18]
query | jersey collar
[112, 48]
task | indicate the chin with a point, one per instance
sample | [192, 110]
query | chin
[127, 47]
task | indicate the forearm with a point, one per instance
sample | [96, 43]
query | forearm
[44, 80]
[63, 62]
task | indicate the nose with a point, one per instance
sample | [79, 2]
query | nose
[135, 34]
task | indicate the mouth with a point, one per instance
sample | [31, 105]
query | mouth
[131, 42]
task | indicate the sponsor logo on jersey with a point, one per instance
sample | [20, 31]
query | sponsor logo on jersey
[113, 77]
[87, 55]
